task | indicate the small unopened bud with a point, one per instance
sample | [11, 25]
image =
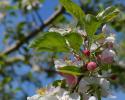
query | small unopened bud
[86, 52]
[113, 77]
[107, 56]
[91, 66]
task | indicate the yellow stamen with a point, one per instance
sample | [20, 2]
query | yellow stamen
[41, 91]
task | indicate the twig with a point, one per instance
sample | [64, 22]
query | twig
[34, 33]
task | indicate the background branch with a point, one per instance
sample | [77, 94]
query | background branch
[19, 43]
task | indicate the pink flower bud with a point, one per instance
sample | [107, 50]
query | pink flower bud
[113, 77]
[70, 79]
[107, 56]
[86, 52]
[91, 66]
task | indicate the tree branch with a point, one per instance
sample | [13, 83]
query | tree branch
[19, 43]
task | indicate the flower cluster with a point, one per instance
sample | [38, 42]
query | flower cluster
[85, 73]
[52, 93]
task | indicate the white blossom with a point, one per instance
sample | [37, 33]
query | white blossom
[61, 63]
[103, 83]
[29, 7]
[106, 29]
[55, 94]
[81, 32]
[62, 31]
[34, 97]
[110, 39]
[1, 15]
[30, 4]
[92, 98]
[67, 96]
[94, 46]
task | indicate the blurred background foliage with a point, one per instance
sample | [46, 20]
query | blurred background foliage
[22, 70]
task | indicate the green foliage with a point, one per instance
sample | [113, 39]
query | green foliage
[75, 40]
[6, 80]
[73, 70]
[50, 41]
[61, 83]
[99, 37]
[91, 25]
[42, 1]
[57, 83]
[98, 92]
[108, 14]
[55, 42]
[74, 10]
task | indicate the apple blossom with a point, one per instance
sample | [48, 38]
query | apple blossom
[67, 96]
[92, 98]
[29, 5]
[108, 56]
[81, 32]
[106, 29]
[1, 15]
[110, 39]
[62, 31]
[102, 82]
[34, 97]
[94, 46]
[59, 63]
[79, 82]
[55, 94]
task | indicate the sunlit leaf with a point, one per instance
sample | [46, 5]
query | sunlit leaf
[108, 14]
[73, 70]
[74, 10]
[91, 25]
[75, 40]
[50, 41]
[99, 37]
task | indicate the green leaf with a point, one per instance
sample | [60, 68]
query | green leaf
[73, 70]
[50, 41]
[74, 10]
[99, 37]
[75, 40]
[41, 1]
[61, 83]
[57, 83]
[91, 25]
[108, 14]
[6, 80]
[16, 90]
[98, 92]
